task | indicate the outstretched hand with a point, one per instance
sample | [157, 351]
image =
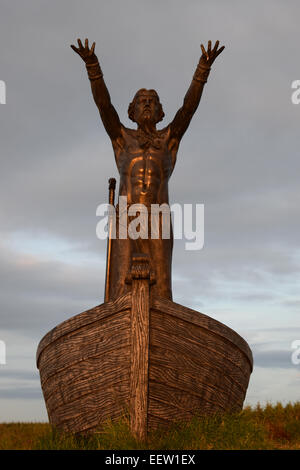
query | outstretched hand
[209, 56]
[87, 54]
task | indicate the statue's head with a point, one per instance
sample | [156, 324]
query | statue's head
[145, 106]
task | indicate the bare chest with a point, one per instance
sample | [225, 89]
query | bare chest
[145, 153]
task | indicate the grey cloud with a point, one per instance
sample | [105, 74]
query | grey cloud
[273, 359]
[22, 375]
[37, 294]
[27, 393]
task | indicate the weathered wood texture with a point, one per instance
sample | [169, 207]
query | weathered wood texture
[140, 314]
[84, 367]
[197, 365]
[164, 365]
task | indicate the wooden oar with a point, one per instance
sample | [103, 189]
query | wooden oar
[111, 197]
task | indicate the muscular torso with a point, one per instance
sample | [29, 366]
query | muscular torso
[145, 163]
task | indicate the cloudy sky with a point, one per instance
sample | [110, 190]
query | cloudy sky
[239, 157]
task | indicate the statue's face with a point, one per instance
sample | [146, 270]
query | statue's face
[146, 108]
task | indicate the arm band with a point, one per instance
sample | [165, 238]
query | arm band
[201, 74]
[94, 71]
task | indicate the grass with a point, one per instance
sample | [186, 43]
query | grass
[270, 427]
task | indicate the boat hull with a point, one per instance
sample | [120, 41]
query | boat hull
[188, 364]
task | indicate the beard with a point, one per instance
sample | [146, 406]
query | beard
[147, 118]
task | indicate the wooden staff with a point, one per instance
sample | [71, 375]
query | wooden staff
[111, 197]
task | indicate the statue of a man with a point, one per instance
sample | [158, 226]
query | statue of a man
[145, 159]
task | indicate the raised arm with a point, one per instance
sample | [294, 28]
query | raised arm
[192, 98]
[100, 92]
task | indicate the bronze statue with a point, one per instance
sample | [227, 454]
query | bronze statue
[140, 353]
[145, 159]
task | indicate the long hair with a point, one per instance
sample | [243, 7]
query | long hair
[160, 114]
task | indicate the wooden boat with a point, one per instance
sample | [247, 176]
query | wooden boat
[151, 357]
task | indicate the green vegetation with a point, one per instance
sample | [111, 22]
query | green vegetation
[269, 427]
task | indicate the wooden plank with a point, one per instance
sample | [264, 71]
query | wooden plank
[82, 320]
[140, 310]
[204, 321]
[85, 343]
[193, 341]
[198, 367]
[85, 367]
[185, 382]
[198, 355]
[155, 422]
[91, 411]
[99, 373]
[182, 400]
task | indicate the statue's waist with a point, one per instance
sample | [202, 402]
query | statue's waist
[151, 209]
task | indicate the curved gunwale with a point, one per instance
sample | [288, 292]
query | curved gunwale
[160, 304]
[203, 321]
[82, 319]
